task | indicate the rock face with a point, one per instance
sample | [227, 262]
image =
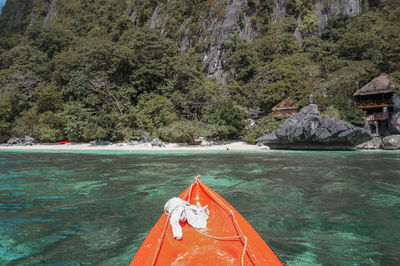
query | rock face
[223, 21]
[391, 142]
[306, 130]
[325, 10]
[373, 144]
[395, 120]
[52, 13]
[234, 18]
[219, 32]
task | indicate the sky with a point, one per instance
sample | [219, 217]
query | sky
[2, 3]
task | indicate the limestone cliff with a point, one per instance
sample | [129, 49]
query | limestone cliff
[219, 26]
[214, 26]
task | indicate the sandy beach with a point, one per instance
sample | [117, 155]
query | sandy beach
[234, 146]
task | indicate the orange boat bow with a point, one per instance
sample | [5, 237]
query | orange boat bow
[211, 246]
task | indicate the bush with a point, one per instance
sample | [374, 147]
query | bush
[332, 113]
[187, 131]
[93, 131]
[154, 112]
[48, 98]
[229, 117]
[263, 126]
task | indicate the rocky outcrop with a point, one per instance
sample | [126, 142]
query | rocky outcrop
[100, 142]
[395, 120]
[372, 144]
[157, 143]
[279, 11]
[219, 26]
[25, 141]
[391, 142]
[158, 19]
[233, 18]
[307, 130]
[219, 32]
[325, 10]
[51, 13]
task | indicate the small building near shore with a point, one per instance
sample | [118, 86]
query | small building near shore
[376, 99]
[285, 108]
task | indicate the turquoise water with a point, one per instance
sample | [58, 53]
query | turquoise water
[329, 208]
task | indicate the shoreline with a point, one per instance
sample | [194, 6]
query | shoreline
[234, 146]
[170, 147]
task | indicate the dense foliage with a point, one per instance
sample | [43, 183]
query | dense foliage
[95, 72]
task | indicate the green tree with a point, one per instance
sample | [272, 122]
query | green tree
[293, 76]
[244, 61]
[76, 119]
[93, 131]
[50, 39]
[309, 23]
[352, 76]
[48, 98]
[229, 117]
[262, 126]
[154, 112]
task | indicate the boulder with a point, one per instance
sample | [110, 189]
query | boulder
[157, 142]
[99, 142]
[391, 142]
[395, 120]
[307, 130]
[27, 140]
[135, 142]
[373, 144]
[396, 103]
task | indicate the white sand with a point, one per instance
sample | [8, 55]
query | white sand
[234, 146]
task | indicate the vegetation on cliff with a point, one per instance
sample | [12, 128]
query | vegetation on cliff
[97, 70]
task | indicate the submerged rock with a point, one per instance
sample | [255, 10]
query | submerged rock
[391, 142]
[306, 130]
[373, 144]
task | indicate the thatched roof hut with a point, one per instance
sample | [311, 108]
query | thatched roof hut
[285, 108]
[286, 104]
[379, 85]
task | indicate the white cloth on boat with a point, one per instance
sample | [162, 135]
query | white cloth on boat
[180, 210]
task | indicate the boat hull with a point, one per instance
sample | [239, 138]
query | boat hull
[228, 239]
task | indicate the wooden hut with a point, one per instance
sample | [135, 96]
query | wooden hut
[375, 98]
[285, 108]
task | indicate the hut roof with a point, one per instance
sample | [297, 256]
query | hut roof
[285, 104]
[381, 84]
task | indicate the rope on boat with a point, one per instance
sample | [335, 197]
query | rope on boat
[231, 213]
[160, 240]
[227, 238]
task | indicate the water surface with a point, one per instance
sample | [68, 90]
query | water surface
[312, 208]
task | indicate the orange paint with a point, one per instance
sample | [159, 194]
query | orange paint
[197, 249]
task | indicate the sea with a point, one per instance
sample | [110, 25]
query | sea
[96, 208]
